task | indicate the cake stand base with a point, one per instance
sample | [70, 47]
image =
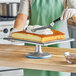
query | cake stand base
[38, 54]
[34, 55]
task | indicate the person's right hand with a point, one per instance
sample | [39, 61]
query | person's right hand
[68, 13]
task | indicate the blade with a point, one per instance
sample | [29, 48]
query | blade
[44, 27]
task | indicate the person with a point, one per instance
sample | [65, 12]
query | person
[43, 12]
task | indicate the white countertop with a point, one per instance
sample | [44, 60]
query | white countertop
[7, 22]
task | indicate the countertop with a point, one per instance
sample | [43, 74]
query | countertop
[14, 56]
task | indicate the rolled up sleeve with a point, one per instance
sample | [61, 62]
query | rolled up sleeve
[71, 3]
[24, 7]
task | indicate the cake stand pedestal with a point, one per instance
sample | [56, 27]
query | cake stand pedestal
[38, 54]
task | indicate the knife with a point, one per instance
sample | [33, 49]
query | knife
[44, 27]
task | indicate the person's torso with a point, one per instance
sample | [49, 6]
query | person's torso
[43, 12]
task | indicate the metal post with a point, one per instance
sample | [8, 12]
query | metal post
[38, 49]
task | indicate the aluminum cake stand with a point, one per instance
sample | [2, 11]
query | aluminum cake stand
[38, 54]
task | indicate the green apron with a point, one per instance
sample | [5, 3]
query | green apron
[43, 12]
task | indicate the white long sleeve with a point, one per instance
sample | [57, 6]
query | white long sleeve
[24, 7]
[71, 3]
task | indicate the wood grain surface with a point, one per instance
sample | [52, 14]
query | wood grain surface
[14, 56]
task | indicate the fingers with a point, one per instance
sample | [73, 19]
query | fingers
[62, 17]
[66, 15]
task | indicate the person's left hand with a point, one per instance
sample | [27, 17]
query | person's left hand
[13, 30]
[14, 42]
[68, 13]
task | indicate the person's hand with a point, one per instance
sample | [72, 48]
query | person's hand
[68, 13]
[13, 30]
[14, 42]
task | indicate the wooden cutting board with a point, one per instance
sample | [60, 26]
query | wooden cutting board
[14, 56]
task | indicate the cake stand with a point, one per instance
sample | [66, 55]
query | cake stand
[38, 54]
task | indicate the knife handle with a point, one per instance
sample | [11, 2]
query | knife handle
[56, 20]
